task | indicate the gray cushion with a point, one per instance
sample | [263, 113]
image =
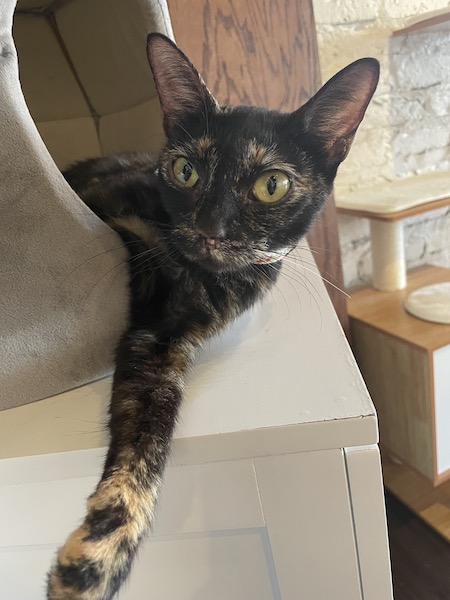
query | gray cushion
[63, 273]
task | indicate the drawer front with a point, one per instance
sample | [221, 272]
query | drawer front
[276, 528]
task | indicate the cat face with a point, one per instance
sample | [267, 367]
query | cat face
[237, 189]
[242, 185]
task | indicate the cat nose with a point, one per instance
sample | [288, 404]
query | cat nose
[211, 233]
[213, 243]
[211, 223]
[213, 238]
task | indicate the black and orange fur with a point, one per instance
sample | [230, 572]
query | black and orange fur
[193, 269]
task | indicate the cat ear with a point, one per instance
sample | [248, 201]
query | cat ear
[180, 88]
[333, 115]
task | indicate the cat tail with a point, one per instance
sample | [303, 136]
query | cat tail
[147, 392]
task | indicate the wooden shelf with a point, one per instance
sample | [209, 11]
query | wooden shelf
[385, 311]
[404, 361]
[430, 503]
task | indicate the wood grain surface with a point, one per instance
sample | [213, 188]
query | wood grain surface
[430, 503]
[397, 376]
[264, 53]
[384, 311]
[260, 52]
[394, 351]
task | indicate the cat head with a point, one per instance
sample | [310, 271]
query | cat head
[242, 184]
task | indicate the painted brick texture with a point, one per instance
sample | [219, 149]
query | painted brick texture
[406, 130]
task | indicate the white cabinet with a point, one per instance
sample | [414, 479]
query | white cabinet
[274, 487]
[274, 528]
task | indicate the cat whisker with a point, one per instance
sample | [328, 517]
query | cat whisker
[99, 237]
[115, 248]
[205, 114]
[123, 263]
[297, 275]
[317, 274]
[167, 226]
[155, 253]
[271, 288]
[295, 265]
[122, 243]
[186, 132]
[146, 256]
[289, 280]
[313, 251]
[300, 279]
[304, 260]
[289, 266]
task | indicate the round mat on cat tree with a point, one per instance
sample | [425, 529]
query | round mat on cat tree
[430, 303]
[85, 89]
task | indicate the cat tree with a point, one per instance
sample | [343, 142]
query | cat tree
[401, 326]
[401, 338]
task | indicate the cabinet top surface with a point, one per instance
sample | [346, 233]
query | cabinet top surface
[283, 365]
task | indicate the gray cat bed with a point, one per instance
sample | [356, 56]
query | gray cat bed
[63, 275]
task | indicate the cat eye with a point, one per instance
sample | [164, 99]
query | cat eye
[271, 187]
[185, 172]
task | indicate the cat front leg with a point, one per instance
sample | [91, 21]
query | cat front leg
[147, 391]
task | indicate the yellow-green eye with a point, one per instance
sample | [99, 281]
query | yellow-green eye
[185, 172]
[271, 186]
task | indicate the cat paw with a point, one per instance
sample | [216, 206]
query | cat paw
[77, 574]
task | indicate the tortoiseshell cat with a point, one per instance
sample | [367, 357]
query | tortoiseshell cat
[206, 226]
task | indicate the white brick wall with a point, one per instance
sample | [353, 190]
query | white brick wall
[420, 101]
[407, 127]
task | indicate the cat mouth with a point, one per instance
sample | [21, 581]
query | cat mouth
[214, 255]
[225, 255]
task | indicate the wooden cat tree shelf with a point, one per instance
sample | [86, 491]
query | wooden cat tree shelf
[405, 360]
